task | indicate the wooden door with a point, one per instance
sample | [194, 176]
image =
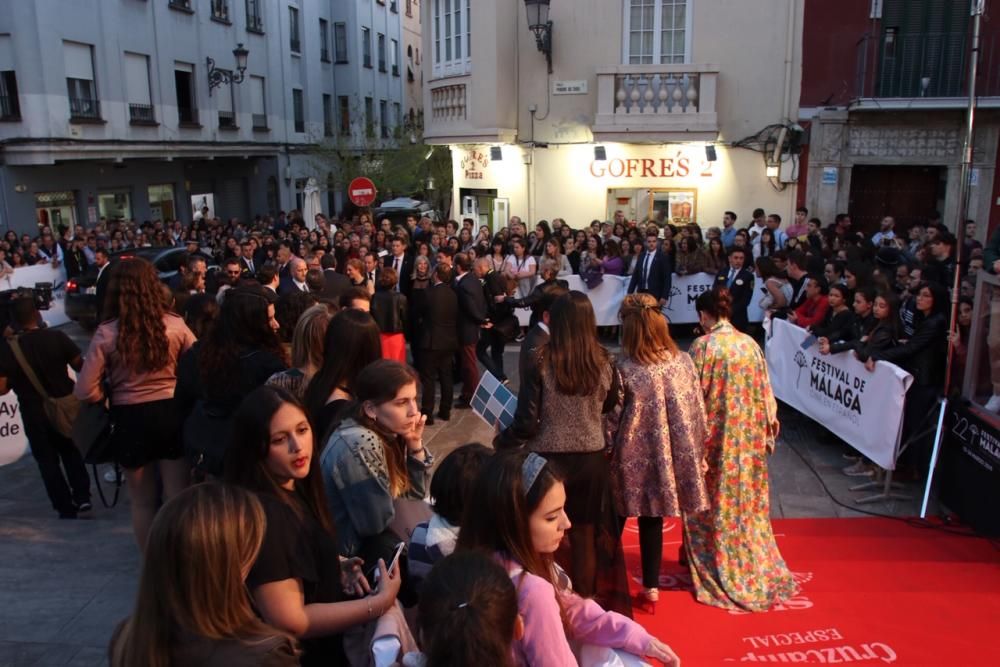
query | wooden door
[908, 194]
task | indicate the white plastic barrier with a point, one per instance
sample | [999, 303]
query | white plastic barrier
[864, 408]
[607, 298]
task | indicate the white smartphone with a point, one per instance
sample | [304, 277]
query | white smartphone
[392, 565]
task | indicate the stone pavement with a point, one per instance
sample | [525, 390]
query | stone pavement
[64, 585]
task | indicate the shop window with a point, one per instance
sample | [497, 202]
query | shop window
[161, 202]
[55, 209]
[114, 205]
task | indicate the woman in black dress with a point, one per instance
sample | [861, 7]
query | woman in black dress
[299, 582]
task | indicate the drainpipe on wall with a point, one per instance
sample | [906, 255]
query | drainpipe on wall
[3, 198]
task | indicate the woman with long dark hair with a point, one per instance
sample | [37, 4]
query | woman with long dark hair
[376, 457]
[136, 351]
[520, 518]
[563, 397]
[352, 342]
[923, 355]
[734, 560]
[298, 581]
[200, 613]
[240, 353]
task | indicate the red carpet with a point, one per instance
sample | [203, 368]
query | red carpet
[873, 591]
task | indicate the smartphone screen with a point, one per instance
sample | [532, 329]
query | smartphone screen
[391, 565]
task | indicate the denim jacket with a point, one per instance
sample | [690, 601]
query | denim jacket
[356, 478]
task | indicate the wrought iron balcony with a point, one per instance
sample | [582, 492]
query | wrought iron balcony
[141, 114]
[227, 120]
[926, 69]
[80, 107]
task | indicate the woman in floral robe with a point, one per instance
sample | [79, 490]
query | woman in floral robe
[734, 560]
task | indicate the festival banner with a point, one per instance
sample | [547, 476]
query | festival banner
[864, 408]
[607, 298]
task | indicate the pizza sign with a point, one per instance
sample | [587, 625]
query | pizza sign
[474, 164]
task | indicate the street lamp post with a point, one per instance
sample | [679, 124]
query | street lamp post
[217, 77]
[539, 23]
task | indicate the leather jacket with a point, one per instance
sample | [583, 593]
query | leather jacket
[389, 311]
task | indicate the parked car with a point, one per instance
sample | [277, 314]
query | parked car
[81, 292]
[398, 209]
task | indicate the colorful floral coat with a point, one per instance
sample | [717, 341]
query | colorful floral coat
[734, 560]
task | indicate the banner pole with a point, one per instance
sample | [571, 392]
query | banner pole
[934, 457]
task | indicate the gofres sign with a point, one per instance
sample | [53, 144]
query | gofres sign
[680, 164]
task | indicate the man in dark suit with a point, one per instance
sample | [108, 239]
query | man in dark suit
[438, 342]
[472, 316]
[538, 335]
[296, 281]
[739, 281]
[653, 271]
[247, 262]
[335, 283]
[549, 273]
[505, 327]
[101, 285]
[401, 260]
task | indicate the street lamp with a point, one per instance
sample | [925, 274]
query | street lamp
[539, 23]
[217, 77]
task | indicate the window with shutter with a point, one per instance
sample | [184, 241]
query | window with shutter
[923, 48]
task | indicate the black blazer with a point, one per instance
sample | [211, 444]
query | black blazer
[741, 291]
[405, 271]
[660, 275]
[245, 268]
[472, 310]
[335, 284]
[924, 354]
[440, 319]
[535, 297]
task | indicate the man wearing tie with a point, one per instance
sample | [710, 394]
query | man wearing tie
[739, 282]
[371, 272]
[247, 261]
[653, 272]
[402, 261]
[297, 270]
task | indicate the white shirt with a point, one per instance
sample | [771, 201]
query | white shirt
[397, 265]
[302, 287]
[645, 274]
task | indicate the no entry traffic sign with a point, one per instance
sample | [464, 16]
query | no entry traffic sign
[361, 191]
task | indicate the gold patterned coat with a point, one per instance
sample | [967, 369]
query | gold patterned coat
[658, 437]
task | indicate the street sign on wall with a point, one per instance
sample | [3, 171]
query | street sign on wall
[362, 192]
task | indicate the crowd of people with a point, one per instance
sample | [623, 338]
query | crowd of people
[270, 419]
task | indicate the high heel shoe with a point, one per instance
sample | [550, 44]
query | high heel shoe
[648, 598]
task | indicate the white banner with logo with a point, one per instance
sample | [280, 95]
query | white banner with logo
[607, 298]
[864, 408]
[13, 441]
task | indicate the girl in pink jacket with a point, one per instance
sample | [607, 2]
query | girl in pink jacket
[520, 518]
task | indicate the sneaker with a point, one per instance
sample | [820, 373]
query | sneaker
[859, 469]
[110, 476]
[993, 405]
[519, 338]
[85, 506]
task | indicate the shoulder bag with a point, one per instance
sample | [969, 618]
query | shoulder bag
[61, 411]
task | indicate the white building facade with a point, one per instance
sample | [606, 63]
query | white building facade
[116, 116]
[639, 90]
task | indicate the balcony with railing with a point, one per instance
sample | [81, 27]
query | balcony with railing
[656, 102]
[923, 70]
[84, 109]
[141, 114]
[454, 115]
[227, 120]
